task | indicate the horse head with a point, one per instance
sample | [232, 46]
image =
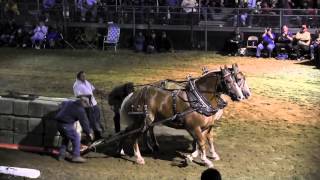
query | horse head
[240, 78]
[229, 86]
[219, 82]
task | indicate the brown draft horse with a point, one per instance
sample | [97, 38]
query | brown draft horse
[158, 104]
[240, 78]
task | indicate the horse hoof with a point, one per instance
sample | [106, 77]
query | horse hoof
[189, 159]
[215, 157]
[122, 153]
[208, 163]
[140, 161]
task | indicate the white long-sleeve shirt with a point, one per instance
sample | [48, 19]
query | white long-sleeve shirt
[84, 88]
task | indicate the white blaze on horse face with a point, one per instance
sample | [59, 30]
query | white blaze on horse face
[246, 90]
[238, 92]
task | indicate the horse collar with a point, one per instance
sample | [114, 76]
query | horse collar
[198, 102]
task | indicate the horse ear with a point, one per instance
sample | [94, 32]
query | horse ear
[233, 66]
[237, 65]
[204, 70]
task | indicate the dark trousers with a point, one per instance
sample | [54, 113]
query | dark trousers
[93, 114]
[286, 46]
[317, 56]
[300, 48]
[116, 119]
[69, 133]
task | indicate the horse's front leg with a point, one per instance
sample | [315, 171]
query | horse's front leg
[202, 148]
[212, 151]
[139, 158]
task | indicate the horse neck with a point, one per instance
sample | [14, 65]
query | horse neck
[208, 87]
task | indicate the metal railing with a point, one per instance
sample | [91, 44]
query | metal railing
[201, 19]
[165, 15]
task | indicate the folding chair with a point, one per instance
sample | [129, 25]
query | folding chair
[252, 43]
[112, 37]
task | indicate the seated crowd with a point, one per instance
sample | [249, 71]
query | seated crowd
[287, 44]
[40, 35]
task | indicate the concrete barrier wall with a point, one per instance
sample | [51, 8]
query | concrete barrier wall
[29, 122]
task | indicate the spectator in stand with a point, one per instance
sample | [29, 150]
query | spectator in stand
[234, 43]
[284, 41]
[302, 41]
[244, 13]
[267, 14]
[165, 44]
[267, 42]
[139, 42]
[47, 6]
[152, 44]
[315, 45]
[189, 6]
[8, 33]
[87, 5]
[39, 35]
[11, 9]
[20, 37]
[54, 38]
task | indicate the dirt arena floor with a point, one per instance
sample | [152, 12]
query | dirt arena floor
[273, 135]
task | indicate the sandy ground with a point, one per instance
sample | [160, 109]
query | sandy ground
[273, 135]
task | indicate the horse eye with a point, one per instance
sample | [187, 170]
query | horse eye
[228, 80]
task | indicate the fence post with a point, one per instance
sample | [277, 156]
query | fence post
[134, 21]
[281, 16]
[191, 28]
[206, 31]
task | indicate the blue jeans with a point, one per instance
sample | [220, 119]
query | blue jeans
[69, 133]
[260, 47]
[312, 47]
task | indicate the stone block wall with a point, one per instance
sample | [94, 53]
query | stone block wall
[29, 122]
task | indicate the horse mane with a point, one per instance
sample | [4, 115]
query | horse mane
[118, 93]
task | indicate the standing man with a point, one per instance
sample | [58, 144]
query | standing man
[68, 114]
[115, 100]
[82, 87]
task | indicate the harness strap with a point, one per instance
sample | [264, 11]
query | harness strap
[174, 101]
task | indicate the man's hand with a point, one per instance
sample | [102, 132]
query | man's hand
[91, 137]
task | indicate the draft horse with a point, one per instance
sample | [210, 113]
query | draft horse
[191, 109]
[240, 78]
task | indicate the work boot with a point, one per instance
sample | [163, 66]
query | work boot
[78, 159]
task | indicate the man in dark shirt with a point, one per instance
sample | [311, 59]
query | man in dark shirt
[69, 113]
